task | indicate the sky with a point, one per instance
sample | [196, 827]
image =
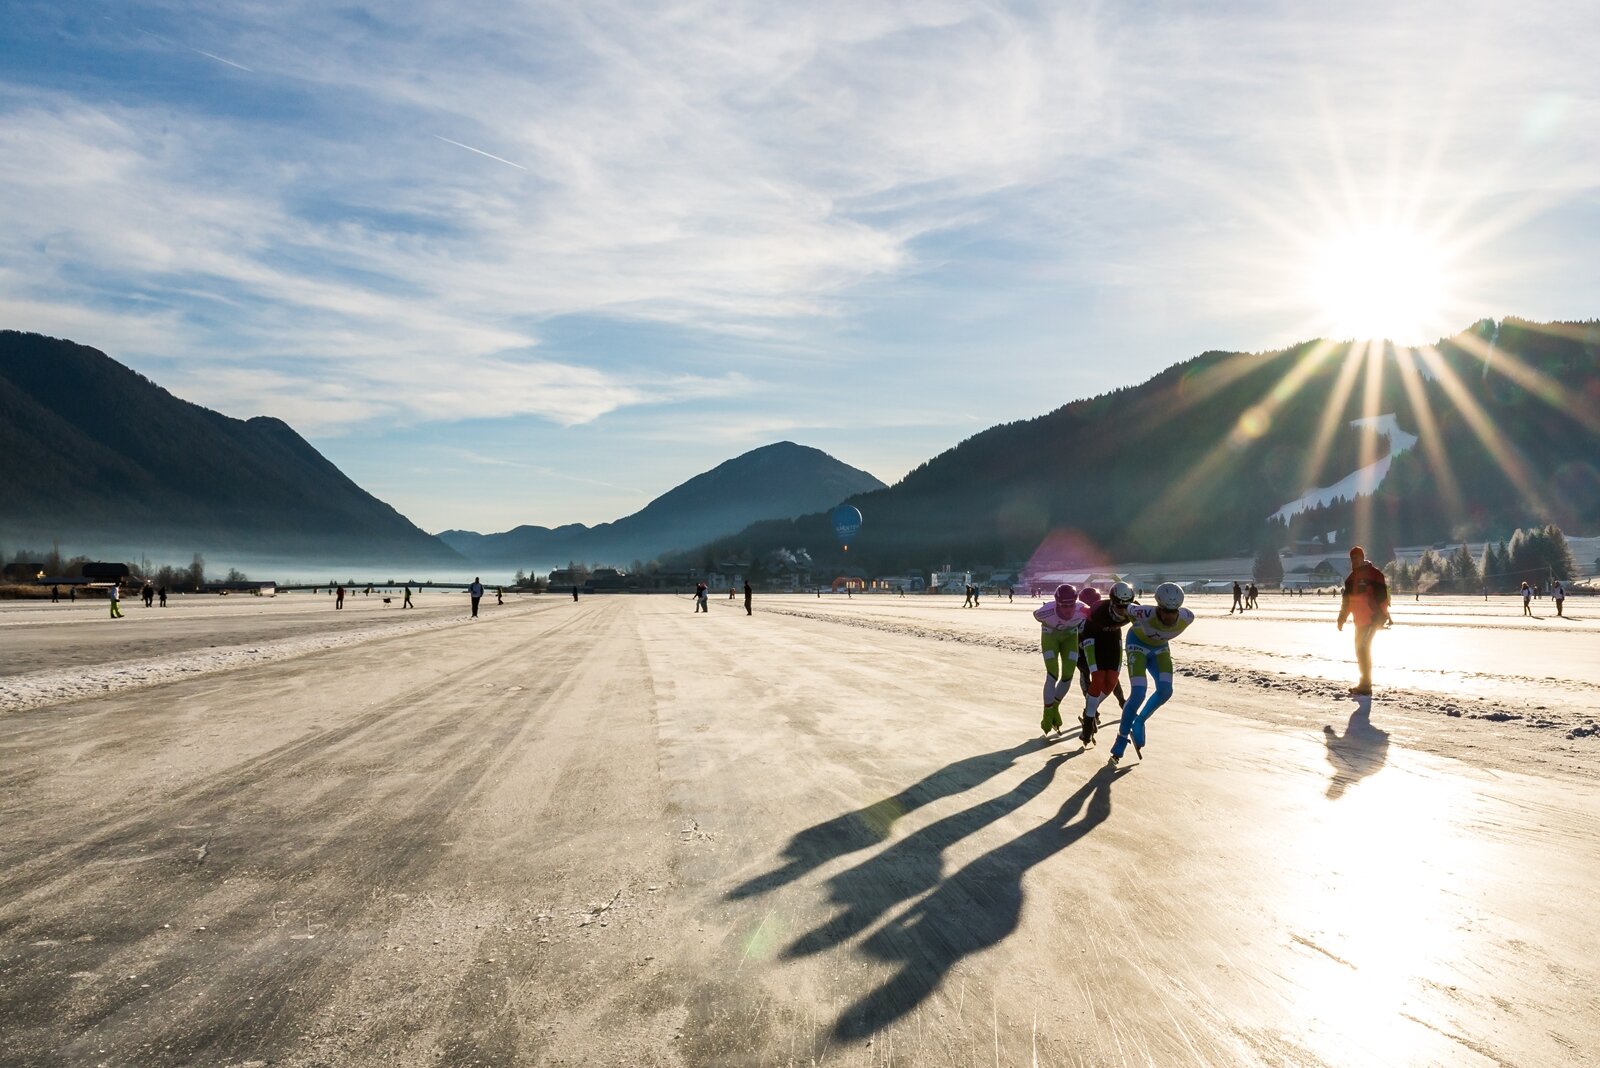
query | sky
[537, 263]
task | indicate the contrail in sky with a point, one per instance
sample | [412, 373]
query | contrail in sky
[229, 62]
[174, 44]
[481, 152]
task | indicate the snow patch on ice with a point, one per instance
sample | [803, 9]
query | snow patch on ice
[49, 687]
[1362, 481]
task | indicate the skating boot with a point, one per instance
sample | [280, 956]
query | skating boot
[1086, 725]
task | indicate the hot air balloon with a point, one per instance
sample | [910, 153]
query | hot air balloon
[846, 524]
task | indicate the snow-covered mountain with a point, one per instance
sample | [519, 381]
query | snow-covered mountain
[1363, 481]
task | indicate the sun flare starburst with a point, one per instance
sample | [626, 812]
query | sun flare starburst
[1382, 283]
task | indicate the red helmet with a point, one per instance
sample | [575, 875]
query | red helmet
[1066, 595]
[1089, 596]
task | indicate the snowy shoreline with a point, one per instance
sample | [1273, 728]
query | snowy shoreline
[38, 689]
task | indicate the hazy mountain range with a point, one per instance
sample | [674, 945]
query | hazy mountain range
[1193, 462]
[106, 461]
[780, 480]
[103, 460]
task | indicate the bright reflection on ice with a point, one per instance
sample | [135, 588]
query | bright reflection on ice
[1372, 928]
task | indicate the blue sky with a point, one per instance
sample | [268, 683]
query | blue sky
[512, 263]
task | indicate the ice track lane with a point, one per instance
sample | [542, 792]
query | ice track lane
[617, 832]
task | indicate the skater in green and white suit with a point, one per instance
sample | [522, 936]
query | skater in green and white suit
[1060, 621]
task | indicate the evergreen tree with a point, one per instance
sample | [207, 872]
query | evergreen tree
[1463, 571]
[1560, 554]
[1502, 568]
[1426, 576]
[1268, 569]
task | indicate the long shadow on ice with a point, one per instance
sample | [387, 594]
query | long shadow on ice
[1362, 750]
[851, 832]
[912, 866]
[972, 910]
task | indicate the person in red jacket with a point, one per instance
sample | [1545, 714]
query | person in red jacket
[1366, 602]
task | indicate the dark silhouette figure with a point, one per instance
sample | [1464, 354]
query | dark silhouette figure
[1238, 600]
[406, 602]
[149, 594]
[475, 591]
[911, 866]
[1361, 752]
[748, 594]
[161, 596]
[338, 598]
[574, 593]
[55, 594]
[499, 595]
[851, 832]
[972, 910]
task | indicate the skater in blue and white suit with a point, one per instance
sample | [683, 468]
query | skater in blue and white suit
[1149, 653]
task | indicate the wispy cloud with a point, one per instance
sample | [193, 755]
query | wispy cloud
[898, 203]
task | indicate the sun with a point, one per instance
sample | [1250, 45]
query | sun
[1380, 283]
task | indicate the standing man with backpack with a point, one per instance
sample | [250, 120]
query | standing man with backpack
[1366, 602]
[476, 591]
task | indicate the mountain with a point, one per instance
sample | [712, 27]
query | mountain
[1194, 462]
[773, 482]
[101, 458]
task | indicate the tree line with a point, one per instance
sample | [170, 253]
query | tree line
[1535, 555]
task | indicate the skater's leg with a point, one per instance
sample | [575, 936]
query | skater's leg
[1163, 674]
[1052, 674]
[1060, 657]
[1136, 690]
[1364, 654]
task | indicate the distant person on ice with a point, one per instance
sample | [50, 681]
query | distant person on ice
[161, 595]
[476, 592]
[1559, 592]
[1527, 599]
[407, 602]
[149, 594]
[1149, 651]
[338, 598]
[116, 601]
[748, 594]
[1060, 620]
[1238, 600]
[1366, 601]
[574, 593]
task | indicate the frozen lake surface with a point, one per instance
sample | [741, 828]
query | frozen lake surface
[616, 832]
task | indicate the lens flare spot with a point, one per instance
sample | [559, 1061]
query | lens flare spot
[1252, 425]
[880, 818]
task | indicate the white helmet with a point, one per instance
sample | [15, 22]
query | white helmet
[1121, 594]
[1169, 595]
